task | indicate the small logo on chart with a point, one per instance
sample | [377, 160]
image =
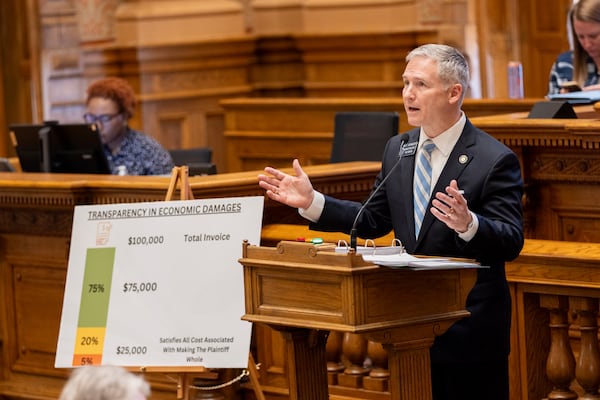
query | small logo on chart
[103, 233]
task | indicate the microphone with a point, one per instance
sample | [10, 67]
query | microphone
[403, 139]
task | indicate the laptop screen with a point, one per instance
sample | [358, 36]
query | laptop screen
[66, 148]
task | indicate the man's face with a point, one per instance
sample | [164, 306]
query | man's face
[429, 102]
[110, 122]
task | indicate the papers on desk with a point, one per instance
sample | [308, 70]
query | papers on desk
[405, 260]
[582, 97]
[395, 256]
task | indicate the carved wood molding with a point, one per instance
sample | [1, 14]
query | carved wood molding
[558, 141]
[580, 167]
[36, 221]
[42, 204]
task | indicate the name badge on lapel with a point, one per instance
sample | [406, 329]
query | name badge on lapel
[409, 149]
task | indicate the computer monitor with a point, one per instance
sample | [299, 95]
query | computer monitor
[53, 147]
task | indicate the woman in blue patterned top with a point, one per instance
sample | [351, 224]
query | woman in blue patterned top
[110, 104]
[581, 64]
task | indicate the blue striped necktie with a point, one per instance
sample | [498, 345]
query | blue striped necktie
[422, 185]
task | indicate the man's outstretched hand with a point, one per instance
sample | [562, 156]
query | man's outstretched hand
[294, 191]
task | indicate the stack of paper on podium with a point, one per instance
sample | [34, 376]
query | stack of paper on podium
[395, 256]
[405, 260]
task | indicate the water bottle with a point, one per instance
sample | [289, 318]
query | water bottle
[515, 80]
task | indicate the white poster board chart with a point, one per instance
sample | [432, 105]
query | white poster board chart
[158, 284]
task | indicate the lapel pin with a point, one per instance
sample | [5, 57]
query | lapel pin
[463, 159]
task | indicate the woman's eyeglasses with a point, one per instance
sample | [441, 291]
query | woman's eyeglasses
[102, 118]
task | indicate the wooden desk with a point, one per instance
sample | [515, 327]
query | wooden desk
[561, 170]
[274, 131]
[36, 215]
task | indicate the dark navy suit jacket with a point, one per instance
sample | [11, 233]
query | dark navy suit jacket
[490, 174]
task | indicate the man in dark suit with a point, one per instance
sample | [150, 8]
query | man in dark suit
[474, 211]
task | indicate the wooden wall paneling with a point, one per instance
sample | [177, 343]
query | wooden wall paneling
[334, 16]
[573, 214]
[494, 45]
[268, 17]
[68, 72]
[564, 179]
[32, 26]
[174, 128]
[100, 62]
[255, 152]
[150, 22]
[20, 86]
[357, 64]
[35, 280]
[542, 37]
[278, 71]
[179, 87]
[60, 62]
[6, 148]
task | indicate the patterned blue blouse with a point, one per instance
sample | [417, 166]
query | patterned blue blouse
[140, 154]
[562, 71]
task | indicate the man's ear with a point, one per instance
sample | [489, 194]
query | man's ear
[455, 92]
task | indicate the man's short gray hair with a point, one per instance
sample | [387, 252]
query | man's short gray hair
[452, 64]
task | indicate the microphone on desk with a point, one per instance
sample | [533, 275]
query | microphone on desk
[403, 139]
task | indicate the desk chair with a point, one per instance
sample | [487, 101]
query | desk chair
[362, 135]
[198, 160]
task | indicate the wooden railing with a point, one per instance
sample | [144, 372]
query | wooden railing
[555, 287]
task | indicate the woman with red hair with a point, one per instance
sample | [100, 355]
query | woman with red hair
[110, 105]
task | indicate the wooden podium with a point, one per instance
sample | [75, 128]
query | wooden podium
[305, 291]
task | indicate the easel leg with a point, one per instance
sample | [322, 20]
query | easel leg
[180, 174]
[172, 183]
